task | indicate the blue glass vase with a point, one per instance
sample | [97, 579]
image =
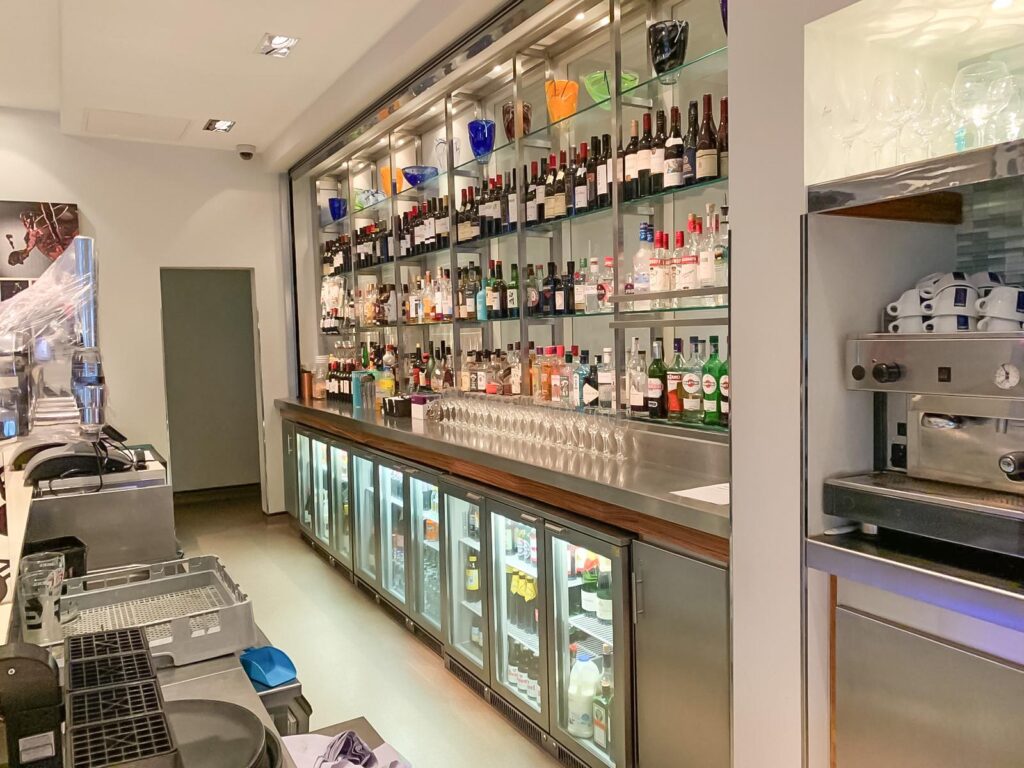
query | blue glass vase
[481, 139]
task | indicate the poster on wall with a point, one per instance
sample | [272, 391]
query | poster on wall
[33, 235]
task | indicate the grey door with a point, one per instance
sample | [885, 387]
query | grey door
[682, 660]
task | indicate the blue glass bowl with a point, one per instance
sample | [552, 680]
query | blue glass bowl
[481, 139]
[419, 174]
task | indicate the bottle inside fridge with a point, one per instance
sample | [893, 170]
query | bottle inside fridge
[517, 603]
[340, 503]
[392, 517]
[366, 514]
[423, 496]
[466, 582]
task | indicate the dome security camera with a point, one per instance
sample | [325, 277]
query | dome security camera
[246, 151]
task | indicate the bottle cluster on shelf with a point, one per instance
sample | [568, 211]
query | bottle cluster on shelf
[700, 259]
[688, 390]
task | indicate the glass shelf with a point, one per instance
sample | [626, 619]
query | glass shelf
[341, 225]
[435, 187]
[669, 310]
[470, 244]
[712, 63]
[418, 256]
[375, 211]
[596, 120]
[373, 268]
[691, 190]
[550, 226]
[473, 169]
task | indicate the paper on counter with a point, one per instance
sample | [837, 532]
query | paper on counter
[712, 494]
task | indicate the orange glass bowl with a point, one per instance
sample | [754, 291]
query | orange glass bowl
[562, 97]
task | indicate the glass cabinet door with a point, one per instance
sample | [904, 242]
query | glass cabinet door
[393, 530]
[321, 493]
[467, 582]
[365, 505]
[588, 610]
[341, 519]
[426, 534]
[518, 618]
[304, 480]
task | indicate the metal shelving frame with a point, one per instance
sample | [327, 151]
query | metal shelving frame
[526, 48]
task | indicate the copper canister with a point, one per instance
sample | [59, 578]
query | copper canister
[306, 385]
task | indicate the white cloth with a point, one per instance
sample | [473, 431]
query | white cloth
[306, 750]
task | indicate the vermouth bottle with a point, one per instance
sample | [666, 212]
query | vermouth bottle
[657, 375]
[710, 376]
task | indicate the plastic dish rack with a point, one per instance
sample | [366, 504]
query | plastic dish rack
[189, 609]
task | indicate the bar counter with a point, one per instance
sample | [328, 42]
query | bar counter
[633, 495]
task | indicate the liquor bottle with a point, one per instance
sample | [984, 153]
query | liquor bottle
[588, 595]
[568, 293]
[636, 381]
[693, 372]
[497, 210]
[721, 250]
[590, 390]
[566, 379]
[690, 144]
[442, 225]
[604, 590]
[604, 172]
[594, 162]
[707, 144]
[499, 292]
[710, 374]
[723, 137]
[603, 703]
[607, 395]
[531, 195]
[581, 190]
[460, 218]
[579, 376]
[474, 215]
[642, 268]
[552, 300]
[658, 155]
[482, 307]
[489, 291]
[657, 383]
[724, 394]
[674, 394]
[472, 580]
[643, 159]
[629, 180]
[515, 368]
[469, 294]
[563, 189]
[512, 293]
[706, 246]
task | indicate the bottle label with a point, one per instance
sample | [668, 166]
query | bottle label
[723, 385]
[472, 579]
[581, 198]
[710, 406]
[674, 171]
[431, 229]
[556, 386]
[556, 207]
[590, 395]
[559, 301]
[531, 211]
[689, 165]
[636, 399]
[691, 383]
[471, 306]
[707, 163]
[492, 299]
[588, 600]
[604, 609]
[601, 726]
[655, 388]
[532, 298]
[441, 226]
[658, 160]
[533, 689]
[631, 167]
[513, 208]
[540, 194]
[710, 385]
[674, 382]
[643, 160]
[706, 267]
[512, 298]
[723, 164]
[602, 179]
[516, 378]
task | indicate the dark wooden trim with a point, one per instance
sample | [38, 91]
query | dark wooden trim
[702, 544]
[931, 208]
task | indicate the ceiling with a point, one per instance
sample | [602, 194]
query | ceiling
[148, 71]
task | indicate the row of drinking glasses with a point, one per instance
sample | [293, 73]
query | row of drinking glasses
[589, 430]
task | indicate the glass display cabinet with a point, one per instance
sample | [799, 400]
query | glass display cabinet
[427, 227]
[393, 525]
[427, 563]
[340, 510]
[364, 505]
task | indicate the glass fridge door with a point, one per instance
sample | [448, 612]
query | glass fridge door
[304, 482]
[426, 534]
[341, 515]
[467, 579]
[321, 493]
[589, 647]
[518, 614]
[365, 505]
[392, 531]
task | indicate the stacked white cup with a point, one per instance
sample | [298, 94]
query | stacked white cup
[950, 302]
[1002, 309]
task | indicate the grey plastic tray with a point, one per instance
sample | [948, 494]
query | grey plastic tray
[190, 609]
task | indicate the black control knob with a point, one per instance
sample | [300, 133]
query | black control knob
[886, 373]
[1013, 465]
[858, 373]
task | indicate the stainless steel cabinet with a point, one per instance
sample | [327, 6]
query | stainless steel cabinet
[906, 699]
[682, 660]
[467, 577]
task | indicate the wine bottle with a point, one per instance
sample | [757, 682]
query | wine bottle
[674, 154]
[723, 138]
[707, 144]
[550, 204]
[512, 202]
[604, 172]
[559, 186]
[531, 194]
[570, 183]
[542, 190]
[643, 159]
[658, 155]
[581, 194]
[690, 143]
[629, 180]
[499, 293]
[592, 164]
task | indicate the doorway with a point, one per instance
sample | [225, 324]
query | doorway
[210, 373]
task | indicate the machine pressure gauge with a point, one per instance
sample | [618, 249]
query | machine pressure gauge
[1007, 376]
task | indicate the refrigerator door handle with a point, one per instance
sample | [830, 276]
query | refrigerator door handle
[553, 528]
[527, 518]
[637, 608]
[290, 437]
[474, 496]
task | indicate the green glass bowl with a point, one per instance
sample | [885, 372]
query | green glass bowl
[598, 84]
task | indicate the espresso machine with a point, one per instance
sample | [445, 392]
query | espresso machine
[948, 439]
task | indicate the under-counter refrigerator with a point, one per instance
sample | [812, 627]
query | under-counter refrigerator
[518, 590]
[321, 494]
[363, 475]
[393, 525]
[590, 642]
[340, 504]
[427, 564]
[467, 607]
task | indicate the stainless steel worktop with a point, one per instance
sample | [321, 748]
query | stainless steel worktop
[641, 486]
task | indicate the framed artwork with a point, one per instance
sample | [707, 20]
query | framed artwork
[33, 235]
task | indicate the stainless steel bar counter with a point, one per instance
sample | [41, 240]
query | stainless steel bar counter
[633, 494]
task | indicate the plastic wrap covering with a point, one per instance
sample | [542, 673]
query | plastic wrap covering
[50, 368]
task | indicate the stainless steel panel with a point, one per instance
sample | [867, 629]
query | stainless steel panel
[962, 440]
[976, 590]
[905, 699]
[291, 491]
[936, 174]
[971, 361]
[682, 661]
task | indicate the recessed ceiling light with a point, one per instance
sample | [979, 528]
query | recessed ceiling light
[278, 46]
[383, 141]
[497, 69]
[219, 126]
[1001, 5]
[580, 16]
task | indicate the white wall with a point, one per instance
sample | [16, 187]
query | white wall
[152, 206]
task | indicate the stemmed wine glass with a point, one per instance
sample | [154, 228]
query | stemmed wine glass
[846, 118]
[979, 92]
[896, 99]
[1008, 124]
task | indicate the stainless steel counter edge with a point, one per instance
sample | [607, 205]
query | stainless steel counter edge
[614, 482]
[986, 598]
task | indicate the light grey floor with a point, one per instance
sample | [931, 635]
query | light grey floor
[352, 659]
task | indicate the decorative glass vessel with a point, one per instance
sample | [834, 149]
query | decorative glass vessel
[481, 139]
[508, 118]
[666, 42]
[562, 97]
